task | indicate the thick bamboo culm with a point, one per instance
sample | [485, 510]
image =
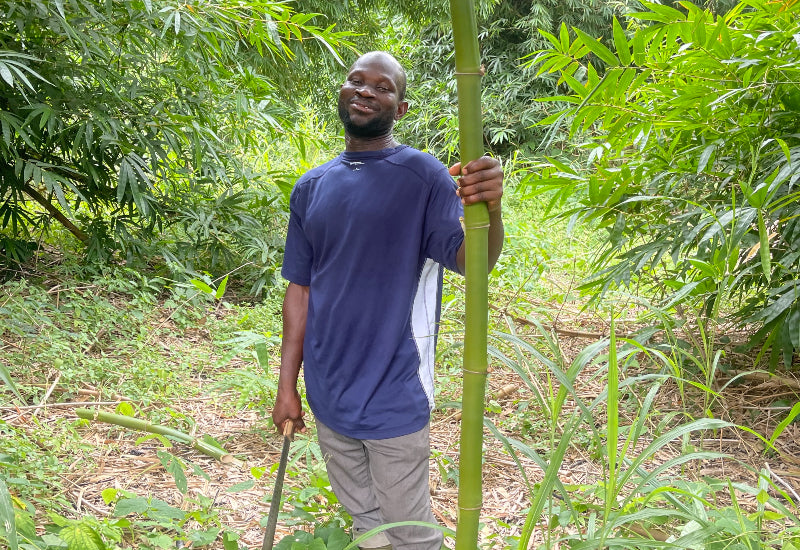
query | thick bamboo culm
[476, 223]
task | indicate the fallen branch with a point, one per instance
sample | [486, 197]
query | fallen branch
[54, 212]
[146, 426]
[763, 377]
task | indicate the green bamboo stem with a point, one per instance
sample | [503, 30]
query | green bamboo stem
[145, 426]
[476, 224]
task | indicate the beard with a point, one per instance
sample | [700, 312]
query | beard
[379, 125]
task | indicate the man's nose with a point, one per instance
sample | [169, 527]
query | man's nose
[365, 90]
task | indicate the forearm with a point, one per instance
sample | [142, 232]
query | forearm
[288, 404]
[295, 313]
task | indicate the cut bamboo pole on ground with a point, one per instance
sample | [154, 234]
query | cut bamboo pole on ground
[476, 229]
[146, 426]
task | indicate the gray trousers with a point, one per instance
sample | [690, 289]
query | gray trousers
[382, 481]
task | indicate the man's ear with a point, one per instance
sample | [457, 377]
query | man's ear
[402, 109]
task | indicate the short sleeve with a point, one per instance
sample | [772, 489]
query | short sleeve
[443, 233]
[297, 255]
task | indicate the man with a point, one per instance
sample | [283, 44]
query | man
[368, 235]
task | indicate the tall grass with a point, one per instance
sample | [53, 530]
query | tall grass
[647, 495]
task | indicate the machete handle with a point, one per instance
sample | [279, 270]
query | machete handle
[288, 428]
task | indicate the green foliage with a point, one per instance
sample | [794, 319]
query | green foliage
[8, 520]
[508, 31]
[693, 155]
[638, 496]
[121, 118]
[418, 32]
[325, 537]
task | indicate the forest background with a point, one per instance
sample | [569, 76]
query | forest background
[645, 308]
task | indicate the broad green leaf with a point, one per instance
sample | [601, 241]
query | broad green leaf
[204, 537]
[230, 540]
[262, 354]
[80, 536]
[174, 466]
[135, 505]
[160, 510]
[125, 408]
[242, 486]
[109, 495]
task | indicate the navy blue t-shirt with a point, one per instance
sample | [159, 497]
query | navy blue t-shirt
[369, 233]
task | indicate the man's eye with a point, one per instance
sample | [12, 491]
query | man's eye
[382, 89]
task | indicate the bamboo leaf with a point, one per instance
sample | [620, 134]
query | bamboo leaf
[705, 156]
[6, 74]
[552, 39]
[564, 36]
[597, 48]
[763, 237]
[220, 292]
[202, 286]
[784, 423]
[576, 86]
[621, 43]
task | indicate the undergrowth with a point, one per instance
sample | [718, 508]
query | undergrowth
[639, 403]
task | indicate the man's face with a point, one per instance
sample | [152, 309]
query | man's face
[369, 99]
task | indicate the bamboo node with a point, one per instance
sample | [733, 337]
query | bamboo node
[470, 509]
[481, 71]
[484, 373]
[484, 226]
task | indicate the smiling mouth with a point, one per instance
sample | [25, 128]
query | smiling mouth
[362, 107]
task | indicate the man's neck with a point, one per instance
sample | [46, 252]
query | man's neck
[377, 143]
